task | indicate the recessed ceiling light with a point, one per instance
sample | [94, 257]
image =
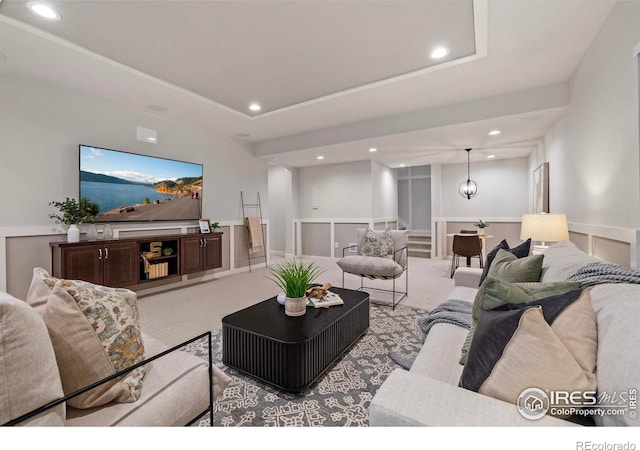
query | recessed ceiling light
[319, 157]
[402, 165]
[494, 132]
[43, 10]
[255, 107]
[491, 156]
[373, 149]
[439, 52]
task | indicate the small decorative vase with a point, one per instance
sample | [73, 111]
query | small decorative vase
[480, 230]
[107, 232]
[295, 306]
[73, 233]
[92, 233]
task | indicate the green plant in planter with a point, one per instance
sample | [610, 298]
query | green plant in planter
[294, 277]
[215, 225]
[72, 212]
[481, 224]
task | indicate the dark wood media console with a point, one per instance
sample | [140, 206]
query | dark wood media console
[130, 262]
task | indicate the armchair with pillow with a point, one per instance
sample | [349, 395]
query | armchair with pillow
[87, 362]
[381, 255]
[534, 325]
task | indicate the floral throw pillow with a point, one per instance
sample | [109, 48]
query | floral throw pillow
[95, 332]
[377, 243]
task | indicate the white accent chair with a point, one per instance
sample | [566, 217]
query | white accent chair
[391, 267]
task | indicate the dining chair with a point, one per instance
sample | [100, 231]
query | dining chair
[471, 232]
[467, 246]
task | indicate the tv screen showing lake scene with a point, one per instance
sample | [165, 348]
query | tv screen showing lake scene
[119, 186]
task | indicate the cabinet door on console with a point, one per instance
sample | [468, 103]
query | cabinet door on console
[82, 263]
[190, 254]
[212, 252]
[120, 264]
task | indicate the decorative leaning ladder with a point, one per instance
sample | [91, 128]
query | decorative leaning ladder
[257, 207]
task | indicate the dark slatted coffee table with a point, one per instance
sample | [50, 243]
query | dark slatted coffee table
[291, 353]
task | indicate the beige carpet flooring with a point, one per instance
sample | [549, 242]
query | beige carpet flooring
[176, 315]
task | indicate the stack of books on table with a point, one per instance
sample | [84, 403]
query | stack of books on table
[331, 299]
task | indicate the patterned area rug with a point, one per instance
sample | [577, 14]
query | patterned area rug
[341, 398]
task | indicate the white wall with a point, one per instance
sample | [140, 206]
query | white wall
[348, 196]
[42, 125]
[503, 189]
[384, 190]
[280, 207]
[593, 150]
[339, 190]
[436, 191]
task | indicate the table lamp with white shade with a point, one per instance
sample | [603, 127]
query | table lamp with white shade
[544, 228]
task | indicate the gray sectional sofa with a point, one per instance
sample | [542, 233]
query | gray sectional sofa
[429, 394]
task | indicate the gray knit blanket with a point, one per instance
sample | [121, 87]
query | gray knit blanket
[455, 312]
[602, 272]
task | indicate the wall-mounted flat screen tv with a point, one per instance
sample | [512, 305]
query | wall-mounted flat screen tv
[117, 186]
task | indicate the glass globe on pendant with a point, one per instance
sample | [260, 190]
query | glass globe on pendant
[468, 189]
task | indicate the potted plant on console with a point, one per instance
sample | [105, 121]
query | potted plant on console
[71, 213]
[294, 278]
